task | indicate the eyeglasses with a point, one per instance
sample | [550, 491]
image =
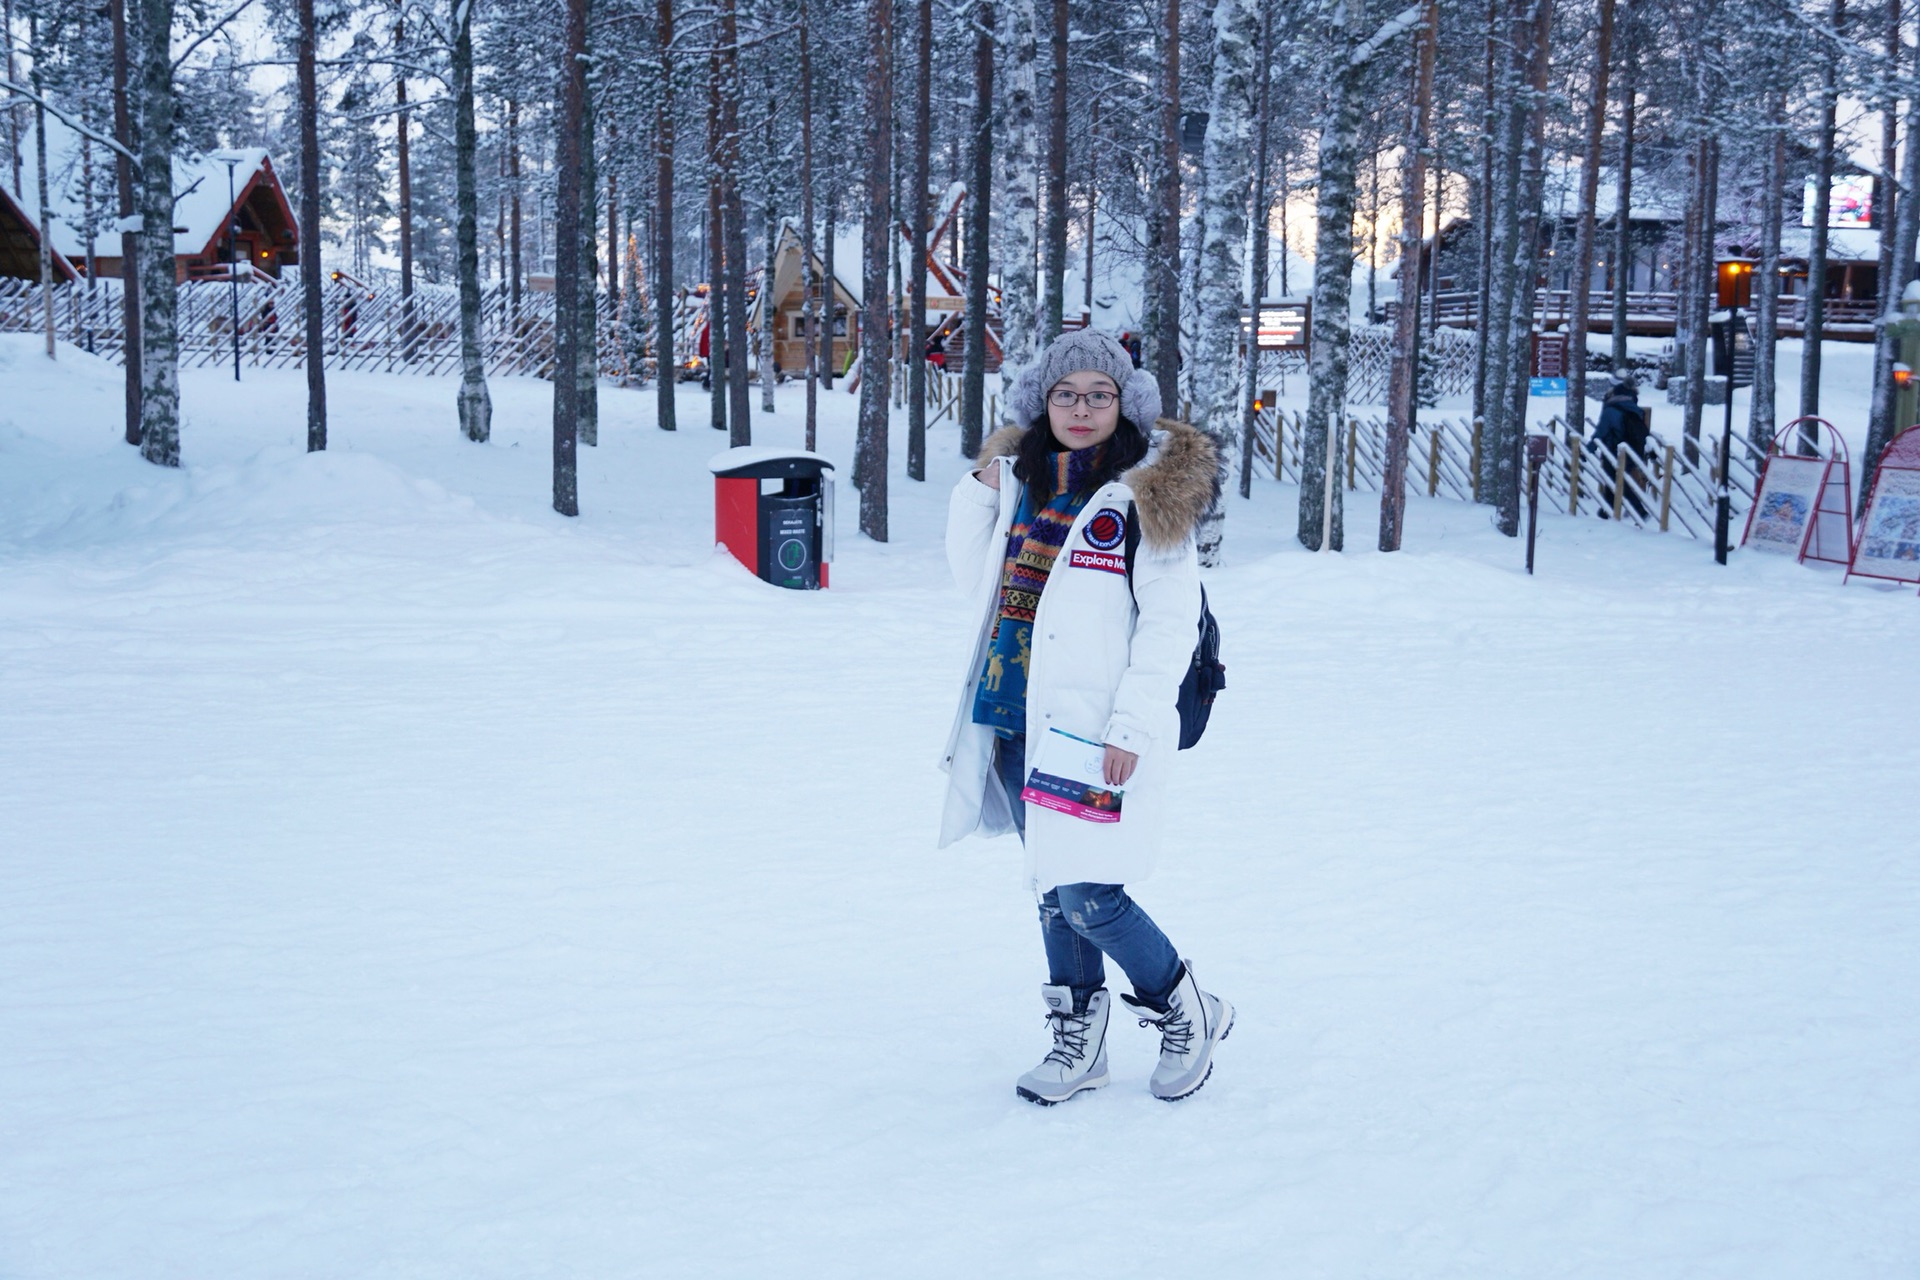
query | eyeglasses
[1061, 398]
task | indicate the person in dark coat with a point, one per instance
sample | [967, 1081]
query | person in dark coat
[1622, 421]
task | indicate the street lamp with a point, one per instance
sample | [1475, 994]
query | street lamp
[1735, 281]
[233, 271]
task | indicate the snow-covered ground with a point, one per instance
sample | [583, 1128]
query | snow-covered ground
[401, 880]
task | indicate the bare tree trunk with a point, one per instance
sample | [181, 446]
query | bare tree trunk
[1505, 293]
[1054, 274]
[515, 227]
[1320, 519]
[1260, 205]
[717, 264]
[1218, 381]
[124, 134]
[1906, 236]
[1698, 302]
[809, 278]
[770, 228]
[1093, 201]
[586, 353]
[875, 342]
[830, 300]
[1403, 412]
[1816, 311]
[40, 181]
[1762, 409]
[917, 214]
[665, 358]
[1163, 351]
[1492, 113]
[402, 149]
[159, 336]
[476, 406]
[569, 128]
[1623, 188]
[733, 219]
[1885, 184]
[973, 384]
[1509, 441]
[12, 108]
[1019, 213]
[1584, 227]
[311, 176]
[1880, 424]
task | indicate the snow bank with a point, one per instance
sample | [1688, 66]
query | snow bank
[402, 880]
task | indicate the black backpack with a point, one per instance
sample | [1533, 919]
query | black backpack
[1206, 674]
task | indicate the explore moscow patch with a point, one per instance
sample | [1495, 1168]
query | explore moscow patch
[1098, 560]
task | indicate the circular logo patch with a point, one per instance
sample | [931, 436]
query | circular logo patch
[1107, 529]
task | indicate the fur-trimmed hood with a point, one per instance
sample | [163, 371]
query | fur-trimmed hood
[1176, 484]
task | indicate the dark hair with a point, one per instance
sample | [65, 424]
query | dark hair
[1125, 448]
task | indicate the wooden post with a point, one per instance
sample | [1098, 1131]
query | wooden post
[1573, 477]
[1666, 487]
[1619, 479]
[1433, 460]
[1353, 444]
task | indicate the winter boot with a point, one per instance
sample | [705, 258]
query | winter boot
[1079, 1057]
[1191, 1024]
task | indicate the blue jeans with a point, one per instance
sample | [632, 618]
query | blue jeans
[1081, 924]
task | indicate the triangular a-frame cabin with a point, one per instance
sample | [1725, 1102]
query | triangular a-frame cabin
[789, 317]
[20, 245]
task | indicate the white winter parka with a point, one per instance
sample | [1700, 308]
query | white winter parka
[1106, 663]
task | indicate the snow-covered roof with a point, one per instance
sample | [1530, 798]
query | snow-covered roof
[201, 200]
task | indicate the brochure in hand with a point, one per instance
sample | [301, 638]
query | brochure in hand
[1069, 777]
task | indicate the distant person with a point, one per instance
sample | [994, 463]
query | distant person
[937, 352]
[1622, 421]
[1064, 637]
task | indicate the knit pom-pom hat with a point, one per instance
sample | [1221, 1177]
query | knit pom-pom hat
[1086, 350]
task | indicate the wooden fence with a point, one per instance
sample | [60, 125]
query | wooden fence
[367, 328]
[1674, 488]
[1651, 313]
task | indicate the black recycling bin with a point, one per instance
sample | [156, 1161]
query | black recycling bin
[773, 512]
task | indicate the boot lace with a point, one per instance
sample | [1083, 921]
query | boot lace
[1069, 1038]
[1176, 1030]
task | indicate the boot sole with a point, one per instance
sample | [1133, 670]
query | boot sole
[1224, 1033]
[1085, 1086]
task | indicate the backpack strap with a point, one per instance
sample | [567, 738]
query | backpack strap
[1133, 541]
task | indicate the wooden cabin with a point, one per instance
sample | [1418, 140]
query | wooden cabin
[20, 245]
[789, 317]
[211, 193]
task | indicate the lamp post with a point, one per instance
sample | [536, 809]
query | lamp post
[233, 269]
[1735, 278]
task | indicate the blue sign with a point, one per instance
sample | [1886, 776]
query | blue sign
[1546, 386]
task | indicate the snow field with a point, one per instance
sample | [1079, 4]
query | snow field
[404, 881]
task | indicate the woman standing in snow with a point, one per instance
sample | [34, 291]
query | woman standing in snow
[1081, 630]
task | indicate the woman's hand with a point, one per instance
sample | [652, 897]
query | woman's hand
[989, 475]
[1119, 766]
